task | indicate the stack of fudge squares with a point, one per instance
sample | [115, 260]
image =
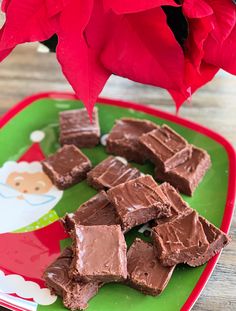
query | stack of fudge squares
[126, 199]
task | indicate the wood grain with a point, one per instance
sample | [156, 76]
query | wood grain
[26, 72]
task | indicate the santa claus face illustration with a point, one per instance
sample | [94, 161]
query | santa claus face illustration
[26, 194]
[32, 183]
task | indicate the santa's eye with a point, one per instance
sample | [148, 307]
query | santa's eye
[36, 188]
[17, 184]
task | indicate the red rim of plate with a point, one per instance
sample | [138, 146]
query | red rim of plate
[229, 207]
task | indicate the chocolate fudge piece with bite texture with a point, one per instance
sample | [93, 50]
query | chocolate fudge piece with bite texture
[165, 148]
[217, 240]
[123, 139]
[111, 172]
[178, 205]
[56, 276]
[99, 254]
[145, 273]
[76, 128]
[180, 240]
[96, 211]
[75, 294]
[67, 167]
[79, 296]
[139, 201]
[189, 174]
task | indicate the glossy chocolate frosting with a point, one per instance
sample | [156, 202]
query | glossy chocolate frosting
[75, 294]
[99, 254]
[180, 240]
[76, 128]
[217, 240]
[123, 139]
[66, 159]
[110, 173]
[178, 205]
[139, 201]
[215, 237]
[145, 272]
[56, 275]
[186, 176]
[96, 211]
[165, 148]
[67, 166]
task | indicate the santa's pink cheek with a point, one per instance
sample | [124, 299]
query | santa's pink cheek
[15, 187]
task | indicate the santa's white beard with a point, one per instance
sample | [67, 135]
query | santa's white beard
[16, 214]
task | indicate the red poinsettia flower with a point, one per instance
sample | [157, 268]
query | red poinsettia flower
[133, 39]
[210, 44]
[143, 48]
[87, 31]
[220, 46]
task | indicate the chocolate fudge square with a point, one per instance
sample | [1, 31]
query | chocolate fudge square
[165, 148]
[99, 254]
[75, 294]
[76, 128]
[145, 273]
[56, 276]
[96, 211]
[110, 173]
[123, 139]
[217, 240]
[189, 174]
[178, 205]
[180, 240]
[68, 166]
[139, 201]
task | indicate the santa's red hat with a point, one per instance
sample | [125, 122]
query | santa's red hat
[34, 153]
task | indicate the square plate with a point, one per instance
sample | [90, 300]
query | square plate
[29, 244]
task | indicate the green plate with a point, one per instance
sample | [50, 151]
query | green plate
[213, 198]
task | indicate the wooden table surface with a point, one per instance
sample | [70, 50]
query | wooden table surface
[26, 72]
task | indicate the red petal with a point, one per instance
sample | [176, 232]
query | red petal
[124, 6]
[222, 54]
[56, 6]
[78, 60]
[199, 30]
[196, 8]
[26, 21]
[4, 53]
[4, 5]
[194, 79]
[225, 18]
[143, 48]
